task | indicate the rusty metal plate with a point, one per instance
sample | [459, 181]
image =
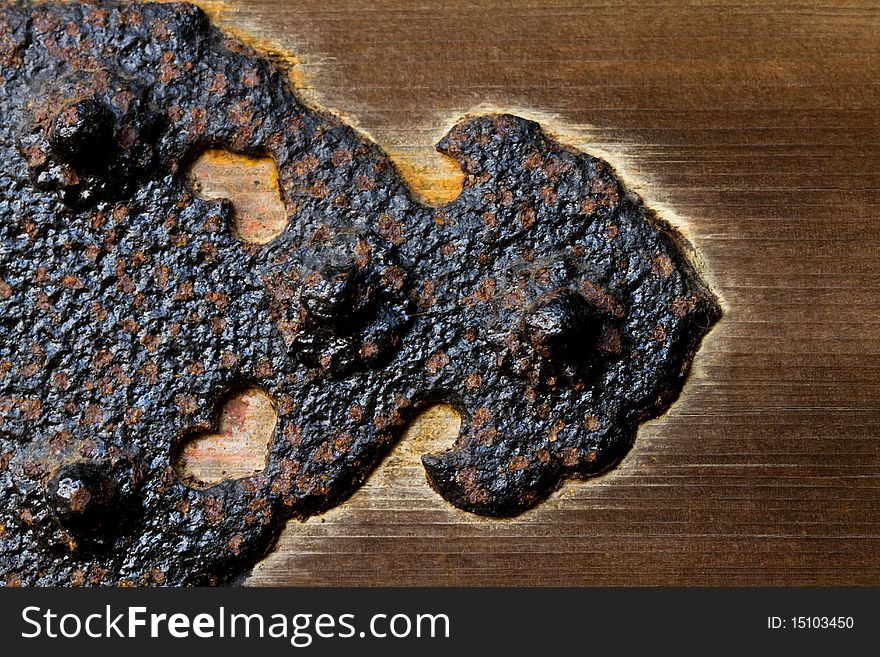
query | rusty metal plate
[546, 303]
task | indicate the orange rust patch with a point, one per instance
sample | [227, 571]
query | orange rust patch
[481, 416]
[558, 426]
[591, 422]
[468, 480]
[571, 457]
[601, 299]
[251, 183]
[473, 381]
[437, 362]
[245, 425]
[659, 333]
[662, 266]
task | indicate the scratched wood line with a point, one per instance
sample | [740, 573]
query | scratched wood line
[754, 127]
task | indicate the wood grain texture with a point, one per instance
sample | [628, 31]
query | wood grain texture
[250, 184]
[236, 446]
[754, 127]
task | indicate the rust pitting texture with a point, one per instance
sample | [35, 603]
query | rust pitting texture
[546, 303]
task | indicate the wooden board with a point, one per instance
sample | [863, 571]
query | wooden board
[751, 125]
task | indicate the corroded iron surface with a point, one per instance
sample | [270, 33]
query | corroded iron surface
[546, 303]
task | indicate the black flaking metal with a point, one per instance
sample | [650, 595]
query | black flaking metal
[546, 303]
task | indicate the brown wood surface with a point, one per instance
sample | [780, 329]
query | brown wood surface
[751, 125]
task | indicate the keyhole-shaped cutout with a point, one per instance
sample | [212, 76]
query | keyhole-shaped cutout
[251, 184]
[238, 448]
